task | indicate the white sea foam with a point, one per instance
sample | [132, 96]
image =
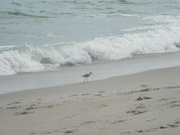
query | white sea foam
[29, 58]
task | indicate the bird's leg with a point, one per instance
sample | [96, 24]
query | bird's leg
[85, 79]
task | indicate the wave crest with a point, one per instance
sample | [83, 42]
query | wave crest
[29, 58]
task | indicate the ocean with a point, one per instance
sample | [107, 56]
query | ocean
[46, 35]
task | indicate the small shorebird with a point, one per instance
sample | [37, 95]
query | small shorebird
[86, 76]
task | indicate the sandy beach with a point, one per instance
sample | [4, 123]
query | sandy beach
[132, 47]
[142, 103]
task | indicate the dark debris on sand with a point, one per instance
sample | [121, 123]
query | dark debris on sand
[142, 98]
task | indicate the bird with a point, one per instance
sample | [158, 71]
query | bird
[86, 76]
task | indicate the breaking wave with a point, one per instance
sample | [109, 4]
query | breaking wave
[29, 58]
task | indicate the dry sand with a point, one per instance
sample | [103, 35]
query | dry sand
[143, 103]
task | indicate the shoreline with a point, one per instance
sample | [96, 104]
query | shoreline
[146, 102]
[104, 70]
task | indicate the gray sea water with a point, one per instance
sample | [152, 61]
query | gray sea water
[38, 35]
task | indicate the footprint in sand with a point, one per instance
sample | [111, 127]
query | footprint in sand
[119, 121]
[138, 110]
[23, 113]
[142, 98]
